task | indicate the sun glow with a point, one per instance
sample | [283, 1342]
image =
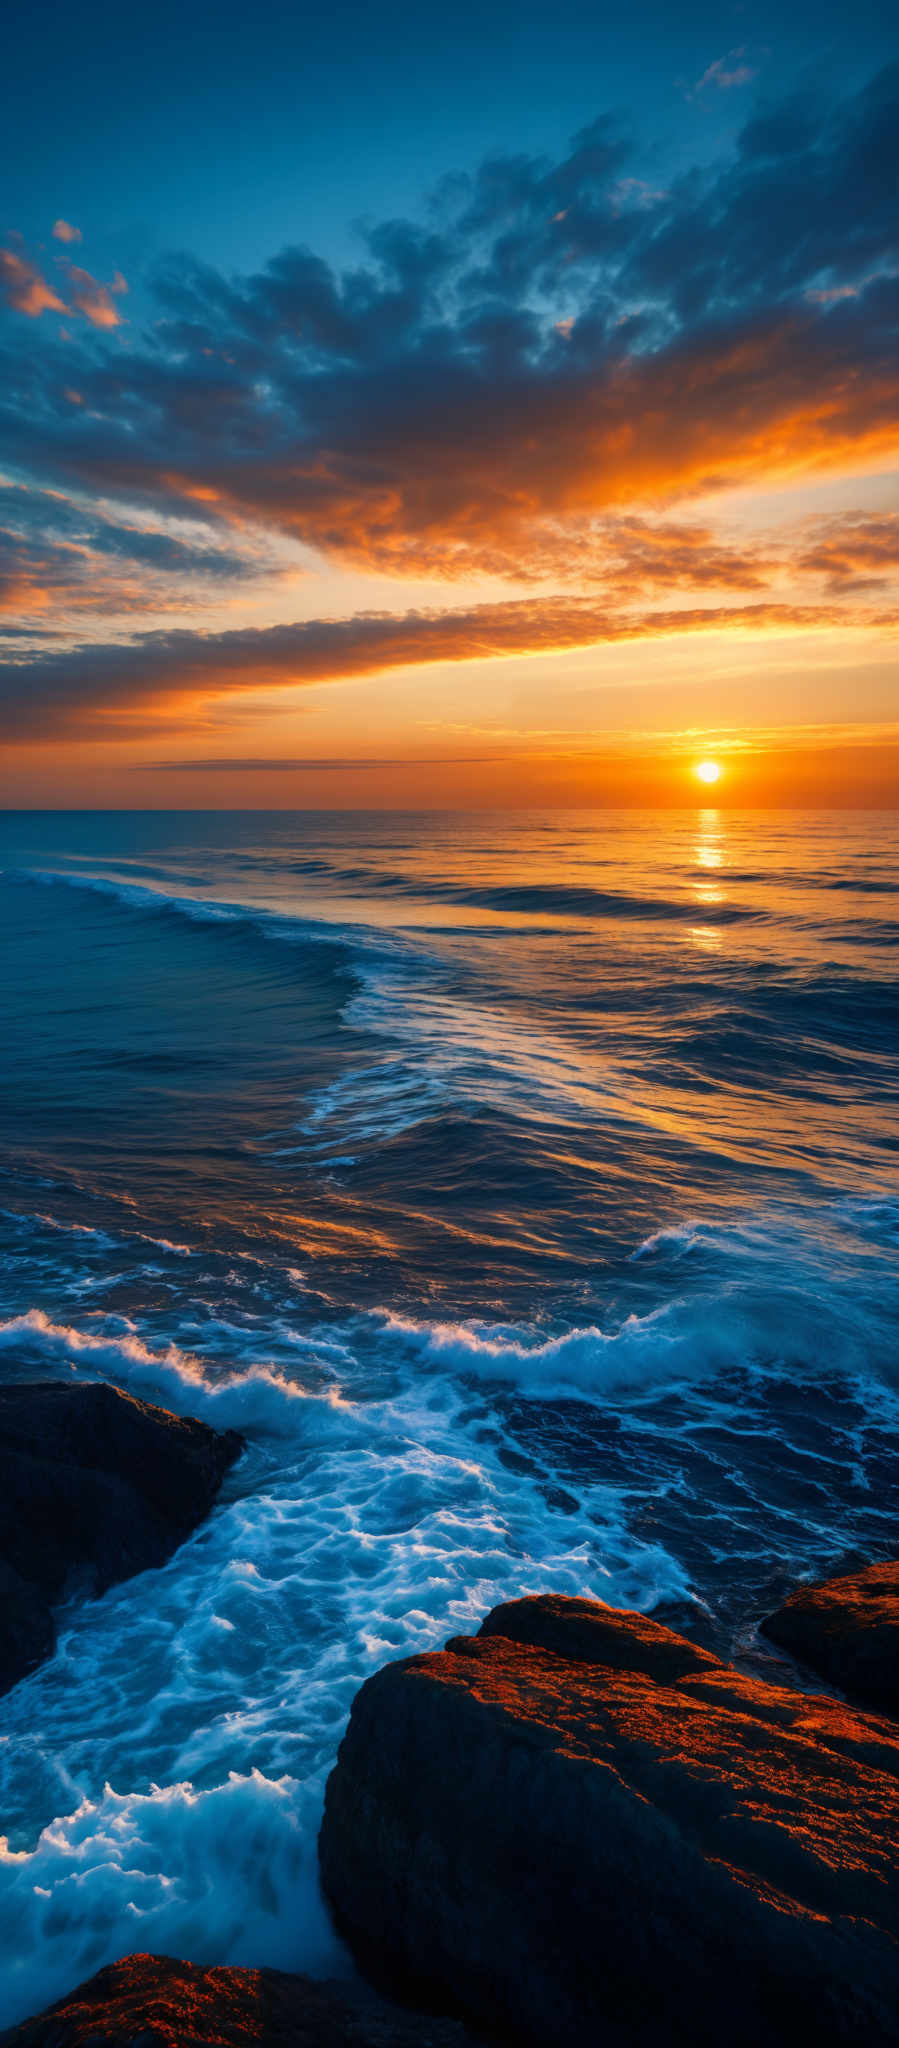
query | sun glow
[707, 771]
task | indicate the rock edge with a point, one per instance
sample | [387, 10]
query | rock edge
[847, 1630]
[94, 1486]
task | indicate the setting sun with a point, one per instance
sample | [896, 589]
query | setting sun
[708, 771]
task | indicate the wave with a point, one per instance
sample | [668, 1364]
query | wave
[287, 927]
[682, 1341]
[136, 895]
[185, 1732]
[258, 1398]
[556, 899]
[223, 1876]
[777, 1293]
[351, 1532]
[567, 899]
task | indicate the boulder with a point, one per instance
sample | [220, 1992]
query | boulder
[156, 2002]
[94, 1486]
[848, 1631]
[584, 1829]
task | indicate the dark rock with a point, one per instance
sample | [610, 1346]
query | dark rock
[155, 2002]
[26, 1632]
[94, 1486]
[847, 1630]
[581, 1827]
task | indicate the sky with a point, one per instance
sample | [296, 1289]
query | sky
[409, 407]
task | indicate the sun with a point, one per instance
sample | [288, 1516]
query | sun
[708, 771]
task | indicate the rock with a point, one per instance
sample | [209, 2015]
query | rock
[26, 1631]
[581, 1827]
[155, 2002]
[847, 1630]
[94, 1486]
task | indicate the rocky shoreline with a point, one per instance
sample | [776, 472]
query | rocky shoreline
[582, 1827]
[576, 1827]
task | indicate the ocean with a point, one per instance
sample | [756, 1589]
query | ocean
[522, 1186]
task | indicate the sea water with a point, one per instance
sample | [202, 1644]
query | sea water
[523, 1187]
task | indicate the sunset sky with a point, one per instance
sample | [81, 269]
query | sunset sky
[489, 406]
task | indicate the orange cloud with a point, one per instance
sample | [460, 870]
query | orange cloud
[455, 477]
[95, 300]
[859, 551]
[25, 289]
[64, 232]
[165, 675]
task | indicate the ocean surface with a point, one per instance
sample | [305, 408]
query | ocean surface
[523, 1187]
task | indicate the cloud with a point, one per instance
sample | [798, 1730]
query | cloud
[64, 232]
[24, 288]
[857, 552]
[164, 676]
[229, 764]
[55, 550]
[552, 348]
[727, 72]
[94, 300]
[536, 381]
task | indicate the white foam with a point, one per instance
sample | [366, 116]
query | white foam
[678, 1238]
[678, 1342]
[227, 1875]
[449, 1051]
[259, 1399]
[770, 1292]
[211, 1697]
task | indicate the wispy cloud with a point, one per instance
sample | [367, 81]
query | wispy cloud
[96, 301]
[25, 289]
[726, 72]
[158, 678]
[311, 764]
[857, 552]
[74, 557]
[23, 286]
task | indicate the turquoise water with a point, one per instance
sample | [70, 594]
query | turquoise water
[523, 1187]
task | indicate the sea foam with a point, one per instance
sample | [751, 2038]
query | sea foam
[162, 1775]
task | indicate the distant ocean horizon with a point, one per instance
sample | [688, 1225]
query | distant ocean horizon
[522, 1185]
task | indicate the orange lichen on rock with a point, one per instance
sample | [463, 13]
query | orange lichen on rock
[161, 2002]
[848, 1630]
[156, 2002]
[584, 1827]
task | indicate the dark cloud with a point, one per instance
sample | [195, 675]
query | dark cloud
[228, 764]
[54, 548]
[444, 460]
[161, 677]
[809, 198]
[526, 384]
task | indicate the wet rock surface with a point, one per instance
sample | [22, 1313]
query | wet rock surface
[94, 1486]
[155, 2002]
[582, 1827]
[847, 1630]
